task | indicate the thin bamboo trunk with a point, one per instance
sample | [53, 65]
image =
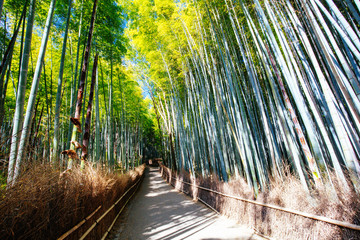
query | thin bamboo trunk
[33, 92]
[20, 97]
[85, 147]
[74, 86]
[55, 154]
[110, 118]
[97, 120]
[6, 61]
[76, 119]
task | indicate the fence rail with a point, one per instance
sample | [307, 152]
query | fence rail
[295, 212]
[97, 221]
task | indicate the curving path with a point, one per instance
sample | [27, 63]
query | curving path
[158, 211]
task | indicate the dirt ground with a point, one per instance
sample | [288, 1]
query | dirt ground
[158, 211]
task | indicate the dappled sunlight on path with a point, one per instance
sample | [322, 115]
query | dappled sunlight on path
[160, 212]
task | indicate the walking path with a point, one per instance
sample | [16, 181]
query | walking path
[158, 211]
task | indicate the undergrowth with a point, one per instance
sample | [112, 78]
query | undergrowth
[3, 180]
[44, 203]
[341, 204]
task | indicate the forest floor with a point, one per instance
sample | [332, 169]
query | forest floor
[160, 212]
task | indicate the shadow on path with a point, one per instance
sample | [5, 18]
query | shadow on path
[158, 211]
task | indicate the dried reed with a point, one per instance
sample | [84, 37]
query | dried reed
[344, 205]
[45, 203]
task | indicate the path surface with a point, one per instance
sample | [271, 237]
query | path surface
[157, 211]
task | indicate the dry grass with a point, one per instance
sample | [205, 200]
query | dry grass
[343, 206]
[44, 204]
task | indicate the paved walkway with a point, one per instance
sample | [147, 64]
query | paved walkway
[157, 211]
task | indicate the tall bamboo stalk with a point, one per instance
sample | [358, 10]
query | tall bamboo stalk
[76, 119]
[85, 147]
[20, 96]
[55, 153]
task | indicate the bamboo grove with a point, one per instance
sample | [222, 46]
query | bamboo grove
[66, 95]
[250, 88]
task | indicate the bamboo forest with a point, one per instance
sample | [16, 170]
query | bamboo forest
[149, 119]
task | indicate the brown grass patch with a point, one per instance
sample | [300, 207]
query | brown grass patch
[289, 194]
[44, 204]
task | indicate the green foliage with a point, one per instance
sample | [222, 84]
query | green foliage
[110, 22]
[129, 107]
[3, 180]
[15, 6]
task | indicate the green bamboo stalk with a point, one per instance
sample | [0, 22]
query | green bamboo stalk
[85, 147]
[55, 153]
[19, 109]
[76, 119]
[33, 92]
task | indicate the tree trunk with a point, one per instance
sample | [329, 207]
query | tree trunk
[1, 6]
[19, 109]
[76, 119]
[110, 127]
[58, 94]
[86, 138]
[97, 120]
[172, 149]
[6, 61]
[34, 90]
